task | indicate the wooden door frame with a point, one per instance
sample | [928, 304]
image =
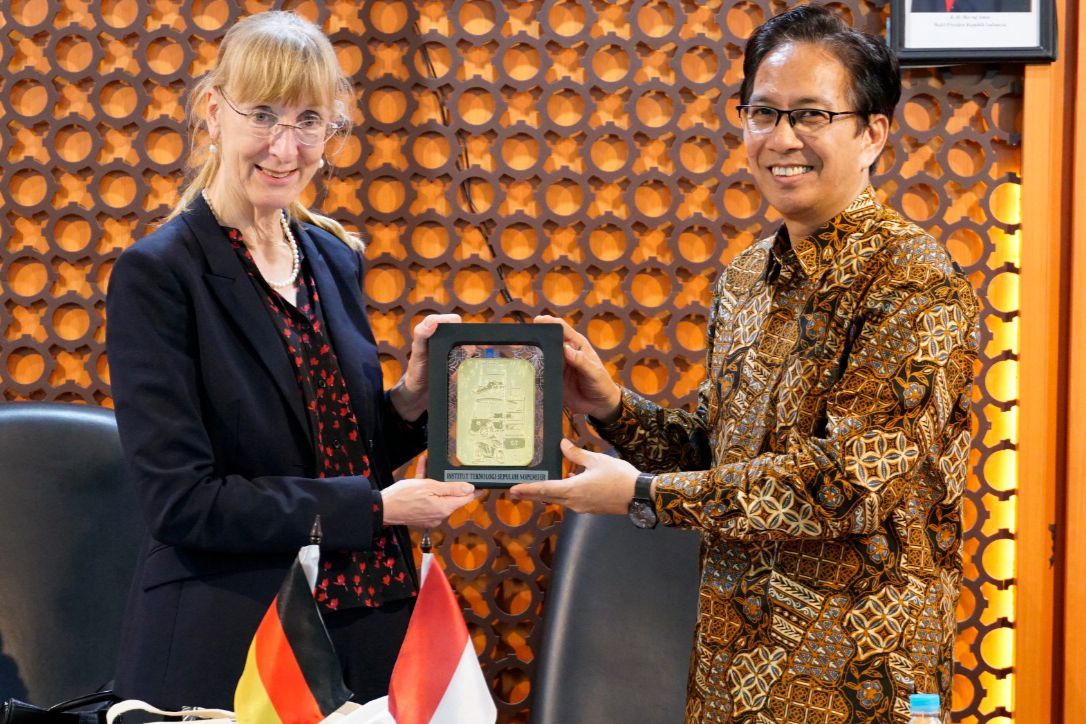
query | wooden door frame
[1047, 517]
[1074, 524]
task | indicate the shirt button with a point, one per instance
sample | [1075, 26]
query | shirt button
[321, 383]
[336, 443]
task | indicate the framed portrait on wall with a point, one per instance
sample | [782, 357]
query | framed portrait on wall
[943, 32]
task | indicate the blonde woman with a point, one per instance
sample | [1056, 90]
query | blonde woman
[249, 394]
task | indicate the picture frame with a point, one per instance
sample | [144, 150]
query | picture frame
[495, 403]
[926, 32]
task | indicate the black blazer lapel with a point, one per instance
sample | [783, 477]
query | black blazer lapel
[349, 330]
[231, 286]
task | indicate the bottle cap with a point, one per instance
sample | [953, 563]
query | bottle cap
[924, 703]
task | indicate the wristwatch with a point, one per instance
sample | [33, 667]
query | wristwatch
[642, 511]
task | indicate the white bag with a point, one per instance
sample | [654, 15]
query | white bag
[374, 712]
[218, 716]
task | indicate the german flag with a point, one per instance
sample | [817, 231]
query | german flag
[292, 674]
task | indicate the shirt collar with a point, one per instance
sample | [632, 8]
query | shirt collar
[821, 249]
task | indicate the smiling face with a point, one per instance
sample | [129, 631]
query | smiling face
[261, 175]
[810, 178]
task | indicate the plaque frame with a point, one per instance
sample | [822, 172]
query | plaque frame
[548, 339]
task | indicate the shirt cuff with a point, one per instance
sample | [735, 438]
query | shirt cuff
[378, 515]
[625, 417]
[413, 427]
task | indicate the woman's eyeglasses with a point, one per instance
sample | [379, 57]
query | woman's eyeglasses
[311, 130]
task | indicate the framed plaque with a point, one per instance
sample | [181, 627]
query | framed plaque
[943, 32]
[495, 408]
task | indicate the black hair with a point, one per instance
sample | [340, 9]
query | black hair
[872, 66]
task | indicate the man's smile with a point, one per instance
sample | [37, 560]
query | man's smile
[792, 170]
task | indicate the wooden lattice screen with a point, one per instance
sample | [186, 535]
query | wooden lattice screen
[605, 166]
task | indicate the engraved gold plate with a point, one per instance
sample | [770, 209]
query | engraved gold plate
[495, 421]
[489, 422]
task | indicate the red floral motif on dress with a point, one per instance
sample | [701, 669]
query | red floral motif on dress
[348, 579]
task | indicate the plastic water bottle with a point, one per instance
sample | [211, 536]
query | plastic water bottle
[924, 709]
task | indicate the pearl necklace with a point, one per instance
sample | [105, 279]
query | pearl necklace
[296, 254]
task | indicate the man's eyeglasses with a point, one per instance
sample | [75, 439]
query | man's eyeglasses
[311, 130]
[763, 119]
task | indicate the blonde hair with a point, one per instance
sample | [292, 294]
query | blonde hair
[270, 57]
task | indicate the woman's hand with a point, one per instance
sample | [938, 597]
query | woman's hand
[588, 388]
[422, 502]
[605, 486]
[409, 394]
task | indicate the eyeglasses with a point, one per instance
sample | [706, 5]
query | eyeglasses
[763, 119]
[309, 131]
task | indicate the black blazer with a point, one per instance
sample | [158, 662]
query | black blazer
[215, 436]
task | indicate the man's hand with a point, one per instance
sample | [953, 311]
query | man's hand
[409, 394]
[588, 388]
[605, 486]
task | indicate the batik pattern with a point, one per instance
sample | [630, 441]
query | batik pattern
[824, 467]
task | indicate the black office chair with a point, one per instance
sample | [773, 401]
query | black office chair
[69, 531]
[618, 624]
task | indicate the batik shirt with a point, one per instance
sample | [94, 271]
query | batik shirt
[824, 468]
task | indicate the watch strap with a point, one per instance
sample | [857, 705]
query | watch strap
[643, 487]
[642, 510]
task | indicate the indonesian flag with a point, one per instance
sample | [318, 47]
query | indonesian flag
[292, 674]
[437, 679]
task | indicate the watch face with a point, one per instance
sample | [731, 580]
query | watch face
[642, 514]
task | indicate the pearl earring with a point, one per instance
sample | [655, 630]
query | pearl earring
[321, 164]
[212, 149]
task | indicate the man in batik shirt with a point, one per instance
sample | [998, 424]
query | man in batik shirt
[825, 464]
